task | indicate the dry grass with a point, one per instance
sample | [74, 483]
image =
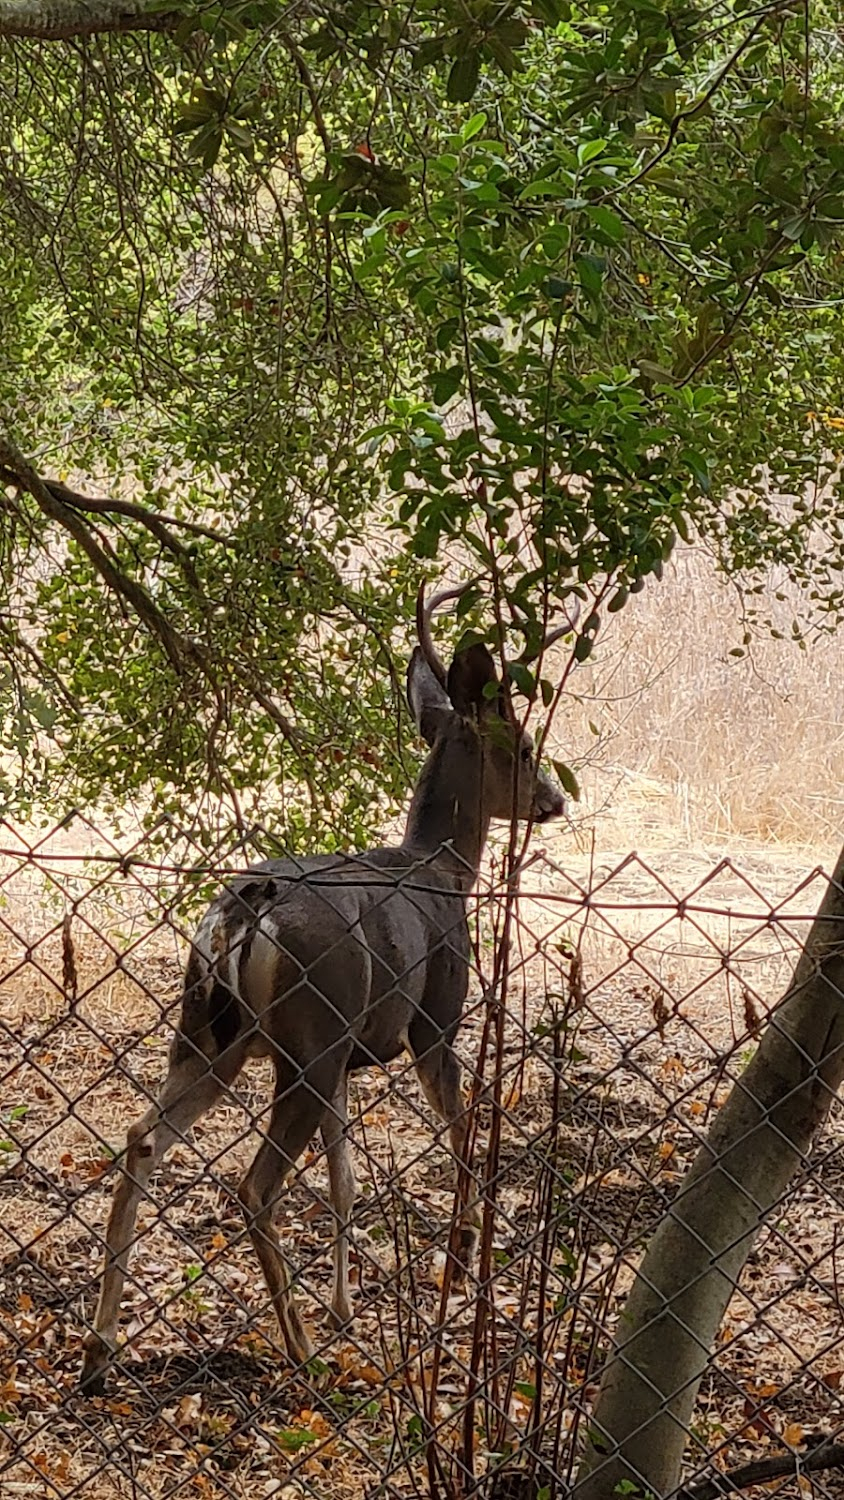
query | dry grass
[698, 747]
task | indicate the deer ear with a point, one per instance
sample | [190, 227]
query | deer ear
[468, 675]
[429, 703]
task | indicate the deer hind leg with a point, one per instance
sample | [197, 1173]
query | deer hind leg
[189, 1089]
[341, 1178]
[439, 1074]
[301, 1102]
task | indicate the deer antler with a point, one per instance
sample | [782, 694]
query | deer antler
[424, 615]
[572, 616]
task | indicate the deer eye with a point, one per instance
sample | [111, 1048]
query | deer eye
[526, 755]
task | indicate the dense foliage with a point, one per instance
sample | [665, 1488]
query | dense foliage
[298, 295]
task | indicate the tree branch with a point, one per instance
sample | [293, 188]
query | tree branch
[155, 524]
[698, 104]
[41, 20]
[786, 1465]
[15, 469]
[181, 651]
[128, 508]
[310, 89]
[18, 643]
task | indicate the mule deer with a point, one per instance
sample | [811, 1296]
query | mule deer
[329, 964]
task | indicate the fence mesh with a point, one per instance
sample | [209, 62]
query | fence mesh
[610, 1010]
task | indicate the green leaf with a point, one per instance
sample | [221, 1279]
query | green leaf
[430, 50]
[193, 115]
[472, 127]
[544, 187]
[607, 221]
[447, 332]
[590, 269]
[656, 372]
[241, 136]
[588, 150]
[568, 780]
[291, 1439]
[831, 206]
[501, 51]
[463, 77]
[43, 712]
[207, 142]
[551, 11]
[525, 1388]
[523, 678]
[446, 383]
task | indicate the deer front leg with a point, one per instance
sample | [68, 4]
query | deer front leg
[189, 1089]
[341, 1178]
[439, 1074]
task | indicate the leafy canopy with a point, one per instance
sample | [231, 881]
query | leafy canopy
[303, 299]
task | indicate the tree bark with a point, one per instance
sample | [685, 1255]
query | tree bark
[649, 1386]
[59, 20]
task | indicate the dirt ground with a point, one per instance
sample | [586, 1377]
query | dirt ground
[664, 963]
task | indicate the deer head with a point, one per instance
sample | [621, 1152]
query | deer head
[464, 708]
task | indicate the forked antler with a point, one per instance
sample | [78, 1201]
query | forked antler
[572, 616]
[424, 615]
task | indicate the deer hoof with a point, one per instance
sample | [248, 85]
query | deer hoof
[300, 1345]
[341, 1314]
[96, 1359]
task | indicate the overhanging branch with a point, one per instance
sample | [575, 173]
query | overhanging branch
[41, 20]
[184, 653]
[15, 469]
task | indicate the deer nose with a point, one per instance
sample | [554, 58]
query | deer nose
[550, 803]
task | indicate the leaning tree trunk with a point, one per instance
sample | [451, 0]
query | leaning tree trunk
[649, 1386]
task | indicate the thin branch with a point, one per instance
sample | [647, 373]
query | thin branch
[19, 643]
[15, 469]
[698, 104]
[787, 1465]
[738, 313]
[149, 518]
[310, 89]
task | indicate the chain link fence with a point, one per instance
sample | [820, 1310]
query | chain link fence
[611, 1007]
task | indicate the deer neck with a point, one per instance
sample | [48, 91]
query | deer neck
[446, 817]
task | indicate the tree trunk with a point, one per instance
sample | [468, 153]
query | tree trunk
[58, 20]
[649, 1386]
